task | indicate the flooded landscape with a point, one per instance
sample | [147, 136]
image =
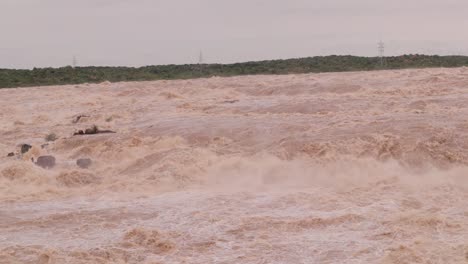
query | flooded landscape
[357, 167]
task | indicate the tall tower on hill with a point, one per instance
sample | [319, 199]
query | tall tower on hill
[74, 62]
[381, 49]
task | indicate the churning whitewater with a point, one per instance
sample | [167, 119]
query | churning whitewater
[360, 167]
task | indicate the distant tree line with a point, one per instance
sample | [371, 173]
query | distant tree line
[78, 75]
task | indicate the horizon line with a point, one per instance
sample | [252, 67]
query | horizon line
[231, 63]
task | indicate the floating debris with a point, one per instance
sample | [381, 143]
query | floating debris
[92, 131]
[25, 148]
[231, 101]
[78, 118]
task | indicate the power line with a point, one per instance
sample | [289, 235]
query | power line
[74, 62]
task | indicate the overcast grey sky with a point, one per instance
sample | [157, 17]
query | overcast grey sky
[39, 33]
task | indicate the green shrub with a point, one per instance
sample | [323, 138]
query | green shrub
[50, 137]
[79, 75]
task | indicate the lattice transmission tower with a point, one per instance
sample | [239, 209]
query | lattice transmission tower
[381, 50]
[200, 58]
[74, 62]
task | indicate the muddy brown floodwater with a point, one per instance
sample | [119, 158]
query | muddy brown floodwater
[365, 167]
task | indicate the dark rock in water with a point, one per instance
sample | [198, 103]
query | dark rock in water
[25, 148]
[231, 101]
[84, 163]
[11, 154]
[92, 131]
[46, 162]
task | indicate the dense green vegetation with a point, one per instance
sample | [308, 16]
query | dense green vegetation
[69, 75]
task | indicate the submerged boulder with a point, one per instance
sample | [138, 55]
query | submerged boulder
[46, 162]
[84, 163]
[91, 131]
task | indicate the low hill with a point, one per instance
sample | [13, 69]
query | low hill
[69, 75]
